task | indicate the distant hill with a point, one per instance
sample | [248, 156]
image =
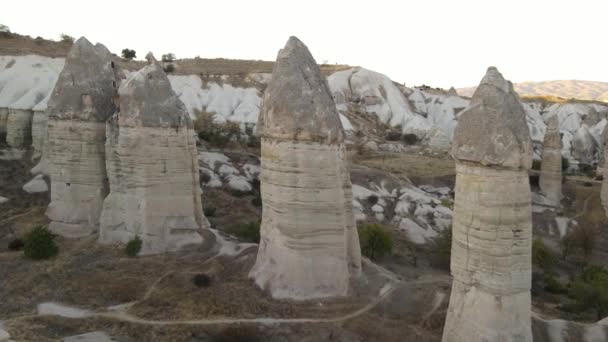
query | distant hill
[582, 90]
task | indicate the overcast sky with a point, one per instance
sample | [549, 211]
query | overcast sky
[439, 43]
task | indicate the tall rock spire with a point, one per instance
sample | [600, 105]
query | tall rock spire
[551, 167]
[158, 201]
[492, 224]
[80, 103]
[309, 245]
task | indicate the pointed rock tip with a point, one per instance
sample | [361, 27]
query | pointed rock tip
[82, 41]
[294, 46]
[495, 78]
[150, 58]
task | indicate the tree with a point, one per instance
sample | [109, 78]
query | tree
[4, 29]
[66, 38]
[168, 58]
[128, 54]
[375, 241]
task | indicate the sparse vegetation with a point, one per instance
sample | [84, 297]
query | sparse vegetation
[257, 201]
[410, 139]
[542, 256]
[585, 237]
[216, 134]
[536, 164]
[248, 232]
[16, 245]
[441, 249]
[168, 58]
[565, 164]
[201, 280]
[568, 244]
[40, 244]
[372, 199]
[128, 54]
[169, 68]
[66, 39]
[448, 203]
[133, 246]
[590, 291]
[239, 334]
[209, 211]
[376, 242]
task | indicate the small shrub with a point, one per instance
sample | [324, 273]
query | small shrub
[372, 199]
[201, 280]
[204, 177]
[133, 247]
[591, 290]
[168, 57]
[249, 232]
[16, 245]
[209, 212]
[66, 38]
[375, 241]
[257, 201]
[410, 139]
[536, 165]
[392, 136]
[448, 203]
[238, 193]
[568, 244]
[542, 255]
[255, 184]
[534, 181]
[239, 334]
[552, 285]
[128, 54]
[441, 249]
[40, 244]
[587, 170]
[169, 68]
[565, 164]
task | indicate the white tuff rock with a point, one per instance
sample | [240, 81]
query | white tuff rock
[152, 165]
[492, 223]
[551, 168]
[81, 102]
[309, 245]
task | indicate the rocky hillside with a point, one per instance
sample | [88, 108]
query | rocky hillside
[568, 89]
[373, 108]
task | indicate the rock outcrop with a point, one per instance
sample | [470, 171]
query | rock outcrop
[81, 102]
[603, 170]
[551, 167]
[152, 165]
[492, 223]
[19, 128]
[309, 244]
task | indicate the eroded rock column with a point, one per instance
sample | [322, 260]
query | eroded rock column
[551, 167]
[309, 245]
[152, 166]
[492, 224]
[19, 128]
[81, 102]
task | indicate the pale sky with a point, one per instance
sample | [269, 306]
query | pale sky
[439, 43]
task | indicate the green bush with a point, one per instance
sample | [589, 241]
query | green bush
[375, 241]
[40, 244]
[133, 246]
[565, 164]
[590, 291]
[201, 280]
[66, 38]
[441, 249]
[249, 232]
[372, 199]
[536, 165]
[209, 212]
[257, 201]
[16, 245]
[410, 139]
[552, 285]
[542, 255]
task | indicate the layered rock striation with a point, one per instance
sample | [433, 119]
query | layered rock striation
[81, 102]
[309, 244]
[551, 168]
[152, 165]
[492, 223]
